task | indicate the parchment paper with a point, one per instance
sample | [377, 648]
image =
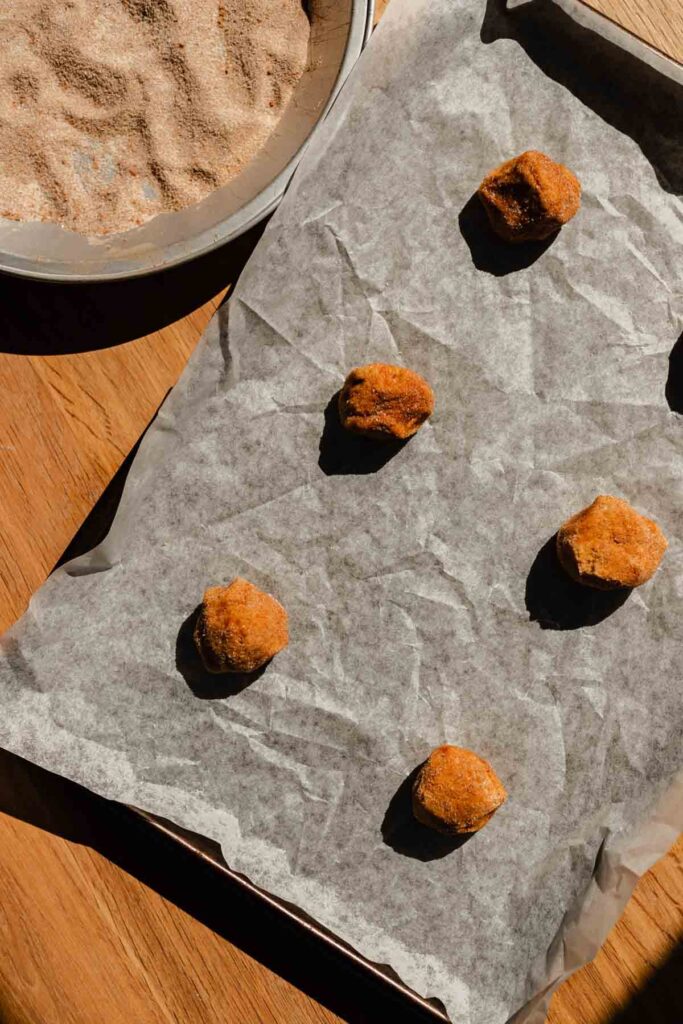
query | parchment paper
[415, 588]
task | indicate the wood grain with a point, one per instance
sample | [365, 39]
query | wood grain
[657, 22]
[101, 919]
[78, 390]
[77, 415]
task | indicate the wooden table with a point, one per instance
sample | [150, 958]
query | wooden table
[101, 919]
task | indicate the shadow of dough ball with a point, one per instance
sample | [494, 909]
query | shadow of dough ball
[239, 628]
[610, 545]
[530, 197]
[385, 402]
[456, 791]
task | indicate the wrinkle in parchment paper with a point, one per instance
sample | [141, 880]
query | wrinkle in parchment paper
[408, 587]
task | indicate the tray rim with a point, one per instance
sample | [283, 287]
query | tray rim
[300, 919]
[608, 27]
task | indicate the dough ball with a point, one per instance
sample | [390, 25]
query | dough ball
[530, 197]
[385, 402]
[239, 628]
[456, 791]
[610, 545]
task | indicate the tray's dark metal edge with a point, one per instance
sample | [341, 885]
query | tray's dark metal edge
[600, 22]
[300, 919]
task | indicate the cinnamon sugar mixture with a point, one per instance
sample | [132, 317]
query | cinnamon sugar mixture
[112, 111]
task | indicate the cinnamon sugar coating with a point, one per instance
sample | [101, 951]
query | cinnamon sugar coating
[239, 628]
[456, 791]
[610, 545]
[529, 197]
[385, 402]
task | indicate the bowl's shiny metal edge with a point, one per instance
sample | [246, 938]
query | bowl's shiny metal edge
[300, 919]
[257, 210]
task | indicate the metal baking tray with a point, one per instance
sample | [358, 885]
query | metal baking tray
[339, 31]
[207, 852]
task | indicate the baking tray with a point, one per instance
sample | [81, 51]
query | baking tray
[205, 851]
[339, 31]
[196, 845]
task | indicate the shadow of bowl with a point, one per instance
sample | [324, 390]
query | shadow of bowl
[45, 318]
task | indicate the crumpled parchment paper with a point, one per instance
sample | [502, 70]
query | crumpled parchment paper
[420, 590]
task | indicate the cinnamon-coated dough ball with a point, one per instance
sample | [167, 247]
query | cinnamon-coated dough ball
[529, 197]
[385, 402]
[456, 791]
[610, 545]
[239, 628]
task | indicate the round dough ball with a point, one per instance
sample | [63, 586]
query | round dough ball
[239, 628]
[385, 402]
[530, 197]
[456, 791]
[610, 545]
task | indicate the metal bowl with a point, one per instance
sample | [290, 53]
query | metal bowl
[339, 31]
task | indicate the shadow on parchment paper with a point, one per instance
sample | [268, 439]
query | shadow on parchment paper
[673, 390]
[97, 523]
[404, 834]
[62, 808]
[624, 91]
[207, 685]
[488, 251]
[555, 601]
[40, 318]
[344, 453]
[55, 805]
